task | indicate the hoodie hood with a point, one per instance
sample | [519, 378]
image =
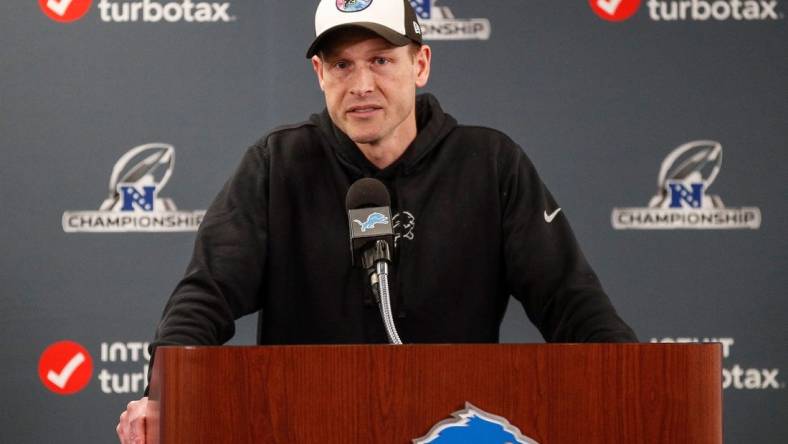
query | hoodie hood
[433, 125]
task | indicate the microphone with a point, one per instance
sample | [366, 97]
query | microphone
[369, 217]
[368, 205]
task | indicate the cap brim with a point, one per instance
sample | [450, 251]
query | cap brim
[386, 33]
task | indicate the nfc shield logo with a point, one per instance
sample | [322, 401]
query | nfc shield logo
[474, 425]
[132, 197]
[681, 196]
[65, 11]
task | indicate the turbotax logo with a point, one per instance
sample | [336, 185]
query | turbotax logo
[717, 10]
[149, 11]
[689, 10]
[474, 425]
[439, 23]
[67, 367]
[682, 199]
[133, 203]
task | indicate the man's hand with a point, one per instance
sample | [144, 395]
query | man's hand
[131, 427]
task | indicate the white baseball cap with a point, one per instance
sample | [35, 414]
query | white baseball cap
[394, 20]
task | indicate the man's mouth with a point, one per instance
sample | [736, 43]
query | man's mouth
[363, 110]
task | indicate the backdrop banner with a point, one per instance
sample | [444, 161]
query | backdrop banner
[657, 125]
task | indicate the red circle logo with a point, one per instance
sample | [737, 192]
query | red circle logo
[65, 11]
[615, 10]
[65, 367]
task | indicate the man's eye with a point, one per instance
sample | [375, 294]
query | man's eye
[341, 65]
[381, 61]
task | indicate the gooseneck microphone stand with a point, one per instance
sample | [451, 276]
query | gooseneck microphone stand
[376, 260]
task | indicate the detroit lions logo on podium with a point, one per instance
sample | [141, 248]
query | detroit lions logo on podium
[474, 425]
[372, 220]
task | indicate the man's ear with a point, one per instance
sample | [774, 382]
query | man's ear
[422, 65]
[317, 65]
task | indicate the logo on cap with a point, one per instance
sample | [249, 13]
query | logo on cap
[353, 5]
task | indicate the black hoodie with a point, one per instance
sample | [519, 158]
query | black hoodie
[472, 223]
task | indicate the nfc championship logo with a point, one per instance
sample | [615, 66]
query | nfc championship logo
[682, 199]
[474, 425]
[439, 23]
[133, 203]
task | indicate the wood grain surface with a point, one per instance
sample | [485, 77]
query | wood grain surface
[555, 393]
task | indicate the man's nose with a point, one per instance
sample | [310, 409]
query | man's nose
[363, 82]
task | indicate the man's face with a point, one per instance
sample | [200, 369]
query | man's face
[370, 86]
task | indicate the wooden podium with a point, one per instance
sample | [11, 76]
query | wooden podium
[561, 393]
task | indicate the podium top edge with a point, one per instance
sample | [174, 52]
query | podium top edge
[448, 345]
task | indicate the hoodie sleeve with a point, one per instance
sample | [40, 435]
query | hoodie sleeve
[223, 280]
[545, 269]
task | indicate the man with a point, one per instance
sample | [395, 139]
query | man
[475, 223]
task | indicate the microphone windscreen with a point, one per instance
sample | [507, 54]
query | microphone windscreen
[367, 192]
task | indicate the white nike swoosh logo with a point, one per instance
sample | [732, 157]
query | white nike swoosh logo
[549, 217]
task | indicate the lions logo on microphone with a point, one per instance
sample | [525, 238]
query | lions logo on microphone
[133, 202]
[474, 425]
[682, 199]
[372, 220]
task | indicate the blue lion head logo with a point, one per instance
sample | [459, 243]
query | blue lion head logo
[372, 220]
[473, 425]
